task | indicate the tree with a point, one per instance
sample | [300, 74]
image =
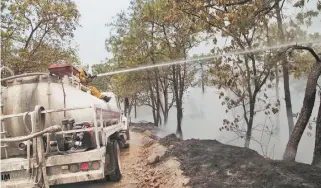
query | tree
[308, 15]
[131, 47]
[245, 27]
[317, 146]
[286, 85]
[230, 18]
[150, 35]
[306, 110]
[37, 33]
[176, 35]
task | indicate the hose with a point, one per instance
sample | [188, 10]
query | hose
[51, 129]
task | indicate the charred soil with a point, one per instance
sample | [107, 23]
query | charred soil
[209, 163]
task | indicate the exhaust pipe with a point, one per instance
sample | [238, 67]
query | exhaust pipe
[23, 145]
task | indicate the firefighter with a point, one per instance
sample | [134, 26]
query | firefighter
[85, 79]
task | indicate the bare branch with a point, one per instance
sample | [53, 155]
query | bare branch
[317, 58]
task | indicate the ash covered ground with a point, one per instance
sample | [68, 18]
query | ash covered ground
[209, 163]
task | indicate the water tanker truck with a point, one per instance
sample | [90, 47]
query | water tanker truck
[53, 131]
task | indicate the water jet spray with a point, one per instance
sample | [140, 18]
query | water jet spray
[242, 52]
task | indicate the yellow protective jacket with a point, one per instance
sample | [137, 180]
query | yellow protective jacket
[85, 80]
[83, 77]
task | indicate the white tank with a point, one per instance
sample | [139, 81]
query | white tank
[23, 94]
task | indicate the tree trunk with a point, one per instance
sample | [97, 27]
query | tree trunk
[250, 124]
[277, 93]
[135, 108]
[155, 101]
[166, 106]
[202, 79]
[179, 109]
[159, 117]
[306, 110]
[179, 132]
[152, 98]
[287, 96]
[252, 100]
[248, 138]
[286, 85]
[158, 100]
[130, 107]
[317, 147]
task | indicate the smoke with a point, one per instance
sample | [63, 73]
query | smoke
[206, 126]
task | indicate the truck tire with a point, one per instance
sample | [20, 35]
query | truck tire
[116, 174]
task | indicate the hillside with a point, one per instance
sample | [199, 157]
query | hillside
[209, 163]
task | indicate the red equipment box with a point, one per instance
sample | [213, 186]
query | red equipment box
[63, 69]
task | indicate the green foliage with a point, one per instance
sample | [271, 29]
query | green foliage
[37, 33]
[149, 35]
[162, 30]
[140, 38]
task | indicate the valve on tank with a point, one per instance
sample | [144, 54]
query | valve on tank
[71, 122]
[64, 122]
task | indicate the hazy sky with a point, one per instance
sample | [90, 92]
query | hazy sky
[90, 38]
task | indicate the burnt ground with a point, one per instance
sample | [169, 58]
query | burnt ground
[209, 163]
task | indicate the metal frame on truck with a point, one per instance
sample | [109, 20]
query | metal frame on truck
[41, 168]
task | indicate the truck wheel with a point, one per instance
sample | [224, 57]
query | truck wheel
[116, 174]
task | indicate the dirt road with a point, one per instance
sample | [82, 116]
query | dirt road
[142, 166]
